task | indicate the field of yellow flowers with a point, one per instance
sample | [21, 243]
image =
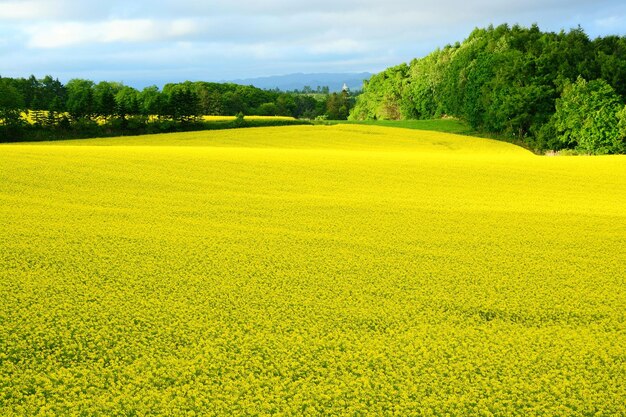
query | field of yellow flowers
[310, 270]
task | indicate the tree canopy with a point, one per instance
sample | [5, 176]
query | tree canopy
[510, 81]
[83, 105]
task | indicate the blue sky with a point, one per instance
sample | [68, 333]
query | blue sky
[146, 42]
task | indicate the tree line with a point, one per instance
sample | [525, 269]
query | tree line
[47, 108]
[548, 90]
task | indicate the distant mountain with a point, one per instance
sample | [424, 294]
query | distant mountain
[334, 81]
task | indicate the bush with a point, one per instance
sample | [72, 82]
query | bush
[239, 121]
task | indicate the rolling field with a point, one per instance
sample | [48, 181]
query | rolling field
[310, 270]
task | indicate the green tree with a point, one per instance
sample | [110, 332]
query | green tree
[11, 104]
[268, 109]
[306, 106]
[337, 106]
[127, 102]
[80, 100]
[11, 107]
[182, 103]
[151, 102]
[53, 96]
[286, 105]
[500, 79]
[232, 103]
[381, 98]
[587, 117]
[620, 144]
[104, 99]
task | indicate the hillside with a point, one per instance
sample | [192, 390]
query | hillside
[310, 270]
[549, 90]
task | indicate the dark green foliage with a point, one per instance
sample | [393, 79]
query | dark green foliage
[182, 103]
[506, 80]
[306, 106]
[127, 102]
[104, 99]
[268, 109]
[151, 102]
[239, 120]
[338, 106]
[11, 104]
[135, 125]
[82, 108]
[11, 107]
[80, 99]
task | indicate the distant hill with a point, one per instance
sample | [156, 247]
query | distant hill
[334, 81]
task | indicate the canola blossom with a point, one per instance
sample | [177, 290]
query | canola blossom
[310, 270]
[231, 118]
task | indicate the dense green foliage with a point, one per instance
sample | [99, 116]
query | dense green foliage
[11, 105]
[45, 108]
[517, 82]
[587, 116]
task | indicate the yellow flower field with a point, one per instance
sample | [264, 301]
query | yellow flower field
[231, 118]
[310, 270]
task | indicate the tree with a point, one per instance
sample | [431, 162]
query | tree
[11, 107]
[232, 103]
[80, 101]
[586, 117]
[620, 144]
[127, 102]
[11, 104]
[151, 102]
[205, 99]
[53, 96]
[337, 106]
[500, 79]
[267, 109]
[104, 99]
[286, 105]
[182, 103]
[305, 106]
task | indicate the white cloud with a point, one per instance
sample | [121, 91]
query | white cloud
[59, 35]
[26, 10]
[226, 39]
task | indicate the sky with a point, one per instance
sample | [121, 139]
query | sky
[156, 41]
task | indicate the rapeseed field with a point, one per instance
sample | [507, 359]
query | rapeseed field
[310, 270]
[231, 118]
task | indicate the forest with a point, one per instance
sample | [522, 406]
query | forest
[42, 109]
[544, 90]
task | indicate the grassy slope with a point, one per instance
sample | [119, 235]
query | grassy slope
[310, 270]
[448, 125]
[439, 125]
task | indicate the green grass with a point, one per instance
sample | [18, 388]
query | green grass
[438, 125]
[448, 125]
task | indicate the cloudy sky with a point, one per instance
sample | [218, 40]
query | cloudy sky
[152, 41]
